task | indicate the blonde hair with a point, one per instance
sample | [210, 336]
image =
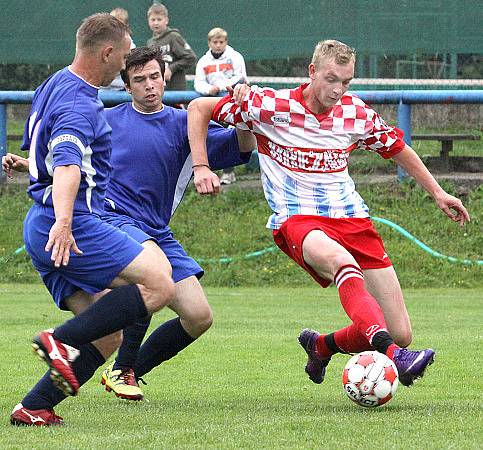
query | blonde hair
[120, 14]
[98, 29]
[217, 33]
[330, 48]
[158, 8]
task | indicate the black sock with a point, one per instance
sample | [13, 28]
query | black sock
[330, 343]
[162, 344]
[118, 309]
[132, 338]
[44, 395]
[381, 341]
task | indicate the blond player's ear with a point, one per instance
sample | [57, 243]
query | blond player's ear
[311, 71]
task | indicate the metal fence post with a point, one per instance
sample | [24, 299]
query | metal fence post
[3, 136]
[404, 123]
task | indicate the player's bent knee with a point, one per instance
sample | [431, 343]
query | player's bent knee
[334, 262]
[158, 294]
[403, 339]
[205, 320]
[199, 317]
[195, 326]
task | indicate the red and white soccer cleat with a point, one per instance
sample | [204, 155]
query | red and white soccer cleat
[59, 357]
[34, 417]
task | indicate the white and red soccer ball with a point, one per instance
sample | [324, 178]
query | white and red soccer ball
[370, 379]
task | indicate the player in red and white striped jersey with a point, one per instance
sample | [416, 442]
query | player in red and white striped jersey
[305, 136]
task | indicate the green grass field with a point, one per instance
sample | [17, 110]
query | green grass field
[242, 385]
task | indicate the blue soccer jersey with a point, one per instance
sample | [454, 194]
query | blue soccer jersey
[67, 126]
[151, 162]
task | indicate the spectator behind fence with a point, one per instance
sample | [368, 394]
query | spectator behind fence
[178, 55]
[219, 67]
[122, 15]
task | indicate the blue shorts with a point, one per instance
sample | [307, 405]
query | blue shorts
[183, 265]
[106, 252]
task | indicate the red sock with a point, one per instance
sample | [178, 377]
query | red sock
[390, 351]
[358, 303]
[350, 340]
[321, 349]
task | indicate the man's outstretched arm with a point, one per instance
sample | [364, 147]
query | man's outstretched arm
[450, 205]
[200, 112]
[199, 116]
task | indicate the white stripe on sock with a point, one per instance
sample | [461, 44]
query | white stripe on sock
[377, 331]
[340, 280]
[347, 269]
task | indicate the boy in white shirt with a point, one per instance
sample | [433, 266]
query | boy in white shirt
[219, 67]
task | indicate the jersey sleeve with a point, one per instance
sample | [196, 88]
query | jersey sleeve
[223, 148]
[30, 125]
[71, 135]
[227, 111]
[381, 138]
[26, 136]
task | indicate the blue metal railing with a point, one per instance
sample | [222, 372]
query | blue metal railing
[109, 98]
[404, 100]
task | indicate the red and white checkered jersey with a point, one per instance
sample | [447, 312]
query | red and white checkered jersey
[303, 156]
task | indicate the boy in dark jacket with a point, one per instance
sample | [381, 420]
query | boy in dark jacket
[178, 55]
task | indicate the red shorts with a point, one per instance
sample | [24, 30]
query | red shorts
[357, 236]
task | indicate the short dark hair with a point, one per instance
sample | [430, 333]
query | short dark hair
[98, 29]
[139, 57]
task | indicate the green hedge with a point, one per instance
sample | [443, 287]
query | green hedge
[233, 225]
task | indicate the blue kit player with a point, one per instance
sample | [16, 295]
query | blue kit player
[151, 168]
[76, 253]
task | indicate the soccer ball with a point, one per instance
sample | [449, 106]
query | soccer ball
[370, 379]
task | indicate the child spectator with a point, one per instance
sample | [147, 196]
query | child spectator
[219, 67]
[178, 55]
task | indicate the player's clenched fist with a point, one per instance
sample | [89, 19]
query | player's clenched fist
[14, 163]
[205, 180]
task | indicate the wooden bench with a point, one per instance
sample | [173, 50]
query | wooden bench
[446, 143]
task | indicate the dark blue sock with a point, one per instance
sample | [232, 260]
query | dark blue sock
[118, 309]
[132, 338]
[162, 344]
[45, 395]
